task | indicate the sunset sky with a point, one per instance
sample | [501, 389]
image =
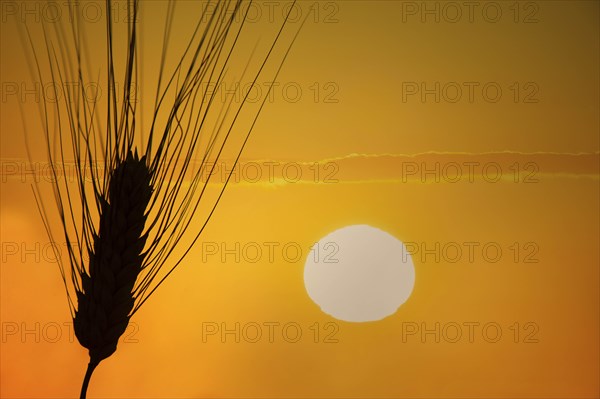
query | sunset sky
[473, 139]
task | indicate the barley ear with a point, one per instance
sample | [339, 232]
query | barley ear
[105, 299]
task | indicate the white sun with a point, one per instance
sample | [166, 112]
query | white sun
[359, 273]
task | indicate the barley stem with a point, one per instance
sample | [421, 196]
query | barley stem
[86, 380]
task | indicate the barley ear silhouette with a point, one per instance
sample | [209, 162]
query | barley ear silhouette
[105, 299]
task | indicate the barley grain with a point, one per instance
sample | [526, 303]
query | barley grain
[106, 299]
